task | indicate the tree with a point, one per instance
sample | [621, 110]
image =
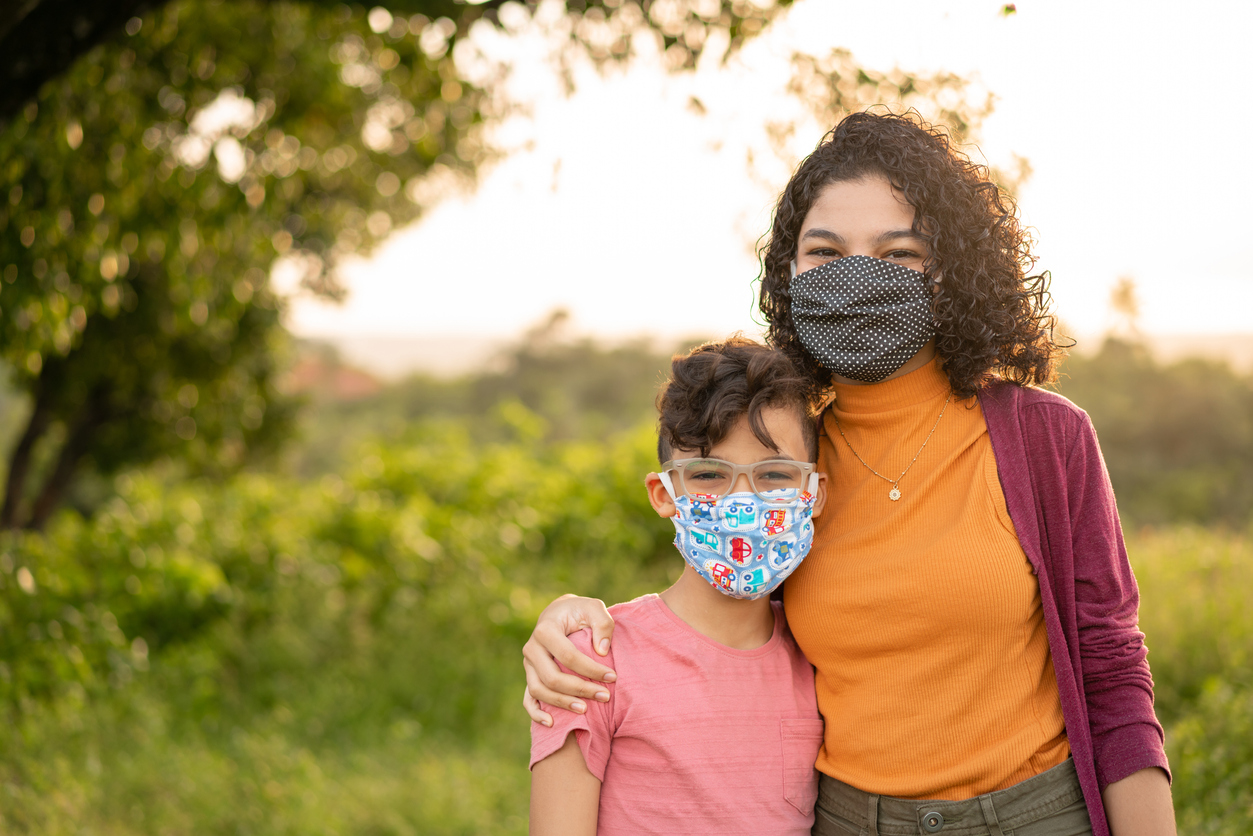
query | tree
[1177, 436]
[835, 84]
[1124, 304]
[40, 39]
[136, 308]
[548, 384]
[151, 186]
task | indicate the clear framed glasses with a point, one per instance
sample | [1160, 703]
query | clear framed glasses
[774, 480]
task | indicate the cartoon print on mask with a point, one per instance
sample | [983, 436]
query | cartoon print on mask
[738, 514]
[781, 551]
[753, 581]
[721, 575]
[706, 540]
[776, 521]
[740, 552]
[702, 508]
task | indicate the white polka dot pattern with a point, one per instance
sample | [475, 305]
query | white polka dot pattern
[861, 317]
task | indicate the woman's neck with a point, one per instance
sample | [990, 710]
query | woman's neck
[734, 622]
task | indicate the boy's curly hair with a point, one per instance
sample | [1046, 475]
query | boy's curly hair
[991, 317]
[716, 383]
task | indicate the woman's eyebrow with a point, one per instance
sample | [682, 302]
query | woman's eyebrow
[826, 234]
[883, 237]
[894, 234]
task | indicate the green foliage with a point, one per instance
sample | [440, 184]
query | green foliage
[836, 84]
[1177, 437]
[283, 642]
[150, 188]
[570, 390]
[1212, 753]
[36, 45]
[126, 772]
[340, 654]
[1195, 587]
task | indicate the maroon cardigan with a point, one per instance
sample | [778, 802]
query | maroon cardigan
[1062, 505]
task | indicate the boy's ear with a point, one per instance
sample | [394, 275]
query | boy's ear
[820, 500]
[658, 496]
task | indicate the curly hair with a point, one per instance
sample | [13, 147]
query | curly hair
[713, 385]
[991, 317]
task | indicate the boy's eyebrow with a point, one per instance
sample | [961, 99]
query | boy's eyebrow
[777, 456]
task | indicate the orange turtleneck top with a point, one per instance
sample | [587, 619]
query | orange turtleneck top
[922, 615]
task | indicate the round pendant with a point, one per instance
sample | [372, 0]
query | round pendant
[894, 494]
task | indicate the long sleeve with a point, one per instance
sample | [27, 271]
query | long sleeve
[1062, 504]
[1126, 735]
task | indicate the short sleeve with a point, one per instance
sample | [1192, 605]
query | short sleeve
[593, 730]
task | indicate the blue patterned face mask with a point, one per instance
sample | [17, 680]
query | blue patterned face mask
[741, 543]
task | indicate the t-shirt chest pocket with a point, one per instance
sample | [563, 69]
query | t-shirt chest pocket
[801, 740]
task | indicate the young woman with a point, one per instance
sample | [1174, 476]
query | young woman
[968, 603]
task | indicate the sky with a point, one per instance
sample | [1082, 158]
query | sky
[637, 211]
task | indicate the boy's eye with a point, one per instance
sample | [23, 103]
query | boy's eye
[775, 475]
[706, 470]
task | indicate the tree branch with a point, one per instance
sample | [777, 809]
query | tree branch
[19, 461]
[44, 37]
[79, 441]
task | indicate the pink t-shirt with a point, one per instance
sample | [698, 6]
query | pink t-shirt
[697, 737]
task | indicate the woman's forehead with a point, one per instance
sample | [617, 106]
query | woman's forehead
[867, 201]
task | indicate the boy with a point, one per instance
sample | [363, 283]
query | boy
[712, 725]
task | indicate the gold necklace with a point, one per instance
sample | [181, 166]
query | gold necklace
[895, 493]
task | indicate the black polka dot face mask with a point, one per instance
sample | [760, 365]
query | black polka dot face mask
[861, 317]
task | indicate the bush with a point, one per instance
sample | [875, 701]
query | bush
[340, 655]
[1194, 610]
[278, 643]
[1177, 437]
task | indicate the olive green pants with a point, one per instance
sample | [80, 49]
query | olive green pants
[1050, 804]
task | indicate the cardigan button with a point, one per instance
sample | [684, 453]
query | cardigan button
[932, 822]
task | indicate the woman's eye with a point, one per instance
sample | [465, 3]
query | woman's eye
[825, 252]
[903, 255]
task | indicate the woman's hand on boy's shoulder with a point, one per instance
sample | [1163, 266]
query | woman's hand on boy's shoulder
[549, 645]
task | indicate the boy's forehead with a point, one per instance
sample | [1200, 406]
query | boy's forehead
[785, 425]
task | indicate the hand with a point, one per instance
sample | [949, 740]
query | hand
[548, 645]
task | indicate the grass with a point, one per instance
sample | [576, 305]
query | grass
[135, 772]
[1195, 592]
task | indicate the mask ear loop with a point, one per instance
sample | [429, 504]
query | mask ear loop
[936, 281]
[793, 265]
[813, 483]
[665, 480]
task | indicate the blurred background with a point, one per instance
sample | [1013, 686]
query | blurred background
[329, 336]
